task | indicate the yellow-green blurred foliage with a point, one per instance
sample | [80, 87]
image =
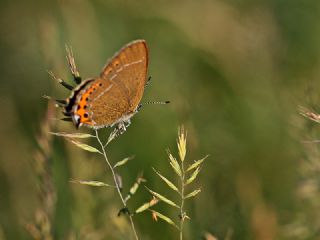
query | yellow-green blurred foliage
[235, 72]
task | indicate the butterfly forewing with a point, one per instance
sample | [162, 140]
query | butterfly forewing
[116, 94]
[129, 68]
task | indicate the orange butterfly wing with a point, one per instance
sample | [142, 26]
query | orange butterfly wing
[116, 94]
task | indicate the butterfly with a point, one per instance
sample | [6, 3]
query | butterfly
[114, 96]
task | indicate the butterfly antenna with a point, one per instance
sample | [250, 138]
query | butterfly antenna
[153, 103]
[59, 80]
[156, 102]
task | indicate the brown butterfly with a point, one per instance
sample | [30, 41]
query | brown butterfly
[113, 97]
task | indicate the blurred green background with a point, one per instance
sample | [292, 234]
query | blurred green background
[235, 72]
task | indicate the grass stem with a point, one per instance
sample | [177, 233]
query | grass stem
[115, 182]
[182, 217]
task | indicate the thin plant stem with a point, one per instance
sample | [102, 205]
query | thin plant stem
[182, 217]
[116, 182]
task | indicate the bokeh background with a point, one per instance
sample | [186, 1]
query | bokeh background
[235, 72]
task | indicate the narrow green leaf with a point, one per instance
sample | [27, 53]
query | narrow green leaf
[162, 198]
[85, 146]
[147, 205]
[193, 176]
[196, 163]
[123, 161]
[164, 218]
[135, 187]
[192, 194]
[91, 183]
[72, 135]
[174, 164]
[167, 181]
[136, 184]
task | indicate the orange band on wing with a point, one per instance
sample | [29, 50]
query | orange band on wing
[82, 107]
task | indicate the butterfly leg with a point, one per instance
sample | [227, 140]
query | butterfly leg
[122, 126]
[72, 64]
[127, 123]
[118, 130]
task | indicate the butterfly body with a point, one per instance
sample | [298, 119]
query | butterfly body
[113, 97]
